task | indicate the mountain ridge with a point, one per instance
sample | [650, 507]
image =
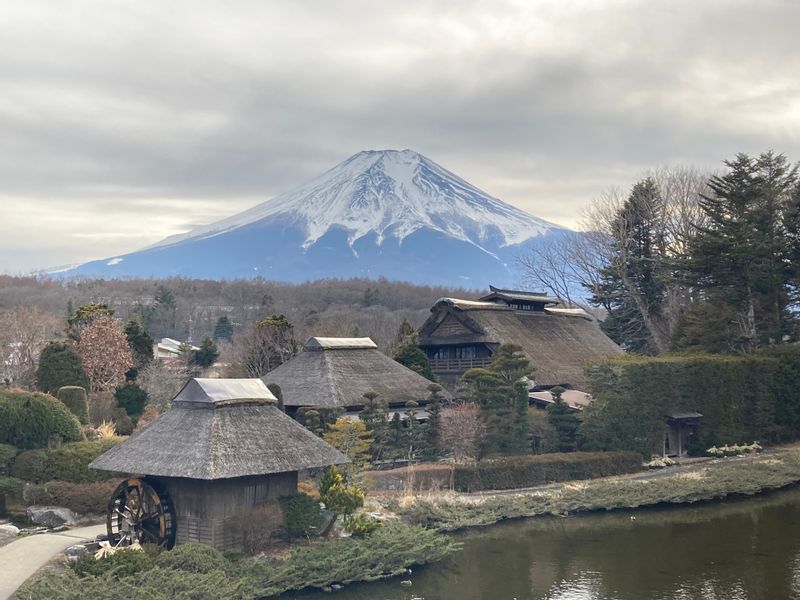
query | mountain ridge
[369, 213]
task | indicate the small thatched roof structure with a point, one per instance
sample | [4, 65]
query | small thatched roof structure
[557, 340]
[337, 372]
[218, 429]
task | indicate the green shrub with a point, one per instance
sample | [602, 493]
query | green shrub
[9, 488]
[68, 462]
[527, 471]
[132, 399]
[75, 399]
[301, 514]
[30, 465]
[60, 365]
[123, 424]
[362, 524]
[124, 562]
[32, 420]
[7, 454]
[193, 558]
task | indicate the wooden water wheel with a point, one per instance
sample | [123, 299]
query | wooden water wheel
[140, 511]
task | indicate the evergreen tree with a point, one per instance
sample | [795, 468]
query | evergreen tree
[501, 400]
[84, 316]
[60, 365]
[415, 359]
[140, 342]
[206, 355]
[564, 421]
[432, 428]
[374, 417]
[740, 264]
[132, 399]
[223, 330]
[278, 393]
[631, 286]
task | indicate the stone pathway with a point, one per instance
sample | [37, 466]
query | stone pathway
[23, 557]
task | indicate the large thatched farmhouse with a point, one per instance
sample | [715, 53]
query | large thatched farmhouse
[223, 447]
[337, 372]
[462, 334]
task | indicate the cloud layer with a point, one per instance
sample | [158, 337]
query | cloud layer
[124, 122]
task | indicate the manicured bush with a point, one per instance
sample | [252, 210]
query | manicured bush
[7, 454]
[60, 365]
[101, 407]
[301, 514]
[123, 424]
[525, 471]
[68, 462]
[75, 399]
[32, 420]
[362, 524]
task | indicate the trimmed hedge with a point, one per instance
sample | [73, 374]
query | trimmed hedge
[526, 471]
[741, 398]
[32, 420]
[7, 454]
[69, 462]
[75, 399]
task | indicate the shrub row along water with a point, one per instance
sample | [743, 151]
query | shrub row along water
[197, 571]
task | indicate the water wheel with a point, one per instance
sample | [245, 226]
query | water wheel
[140, 511]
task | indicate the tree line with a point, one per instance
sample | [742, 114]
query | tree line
[687, 260]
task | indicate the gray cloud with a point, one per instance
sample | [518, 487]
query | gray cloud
[124, 122]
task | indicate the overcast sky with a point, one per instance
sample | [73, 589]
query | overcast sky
[122, 122]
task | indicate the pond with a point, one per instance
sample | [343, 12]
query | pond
[732, 550]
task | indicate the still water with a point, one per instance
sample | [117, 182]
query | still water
[734, 550]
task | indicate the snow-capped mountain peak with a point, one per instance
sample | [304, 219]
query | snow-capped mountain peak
[391, 193]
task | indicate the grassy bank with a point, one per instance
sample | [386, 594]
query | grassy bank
[196, 571]
[450, 512]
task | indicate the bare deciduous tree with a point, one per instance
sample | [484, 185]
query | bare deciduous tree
[572, 263]
[461, 431]
[162, 381]
[24, 331]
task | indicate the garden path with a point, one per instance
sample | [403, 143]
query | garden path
[20, 559]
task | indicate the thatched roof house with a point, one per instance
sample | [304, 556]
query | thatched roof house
[222, 447]
[462, 334]
[337, 372]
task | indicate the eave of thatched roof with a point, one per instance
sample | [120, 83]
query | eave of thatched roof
[557, 341]
[338, 377]
[219, 440]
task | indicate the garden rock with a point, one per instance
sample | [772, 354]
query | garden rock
[9, 529]
[51, 516]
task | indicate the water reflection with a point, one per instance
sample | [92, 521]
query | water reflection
[736, 550]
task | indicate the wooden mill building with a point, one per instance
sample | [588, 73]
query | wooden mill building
[462, 334]
[337, 372]
[223, 447]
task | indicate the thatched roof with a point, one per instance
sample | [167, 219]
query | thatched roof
[518, 295]
[558, 341]
[217, 429]
[338, 372]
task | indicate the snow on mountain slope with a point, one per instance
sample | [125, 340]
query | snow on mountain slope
[389, 193]
[380, 213]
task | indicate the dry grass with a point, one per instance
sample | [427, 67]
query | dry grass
[451, 511]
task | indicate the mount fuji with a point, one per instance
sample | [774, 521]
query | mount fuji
[380, 213]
